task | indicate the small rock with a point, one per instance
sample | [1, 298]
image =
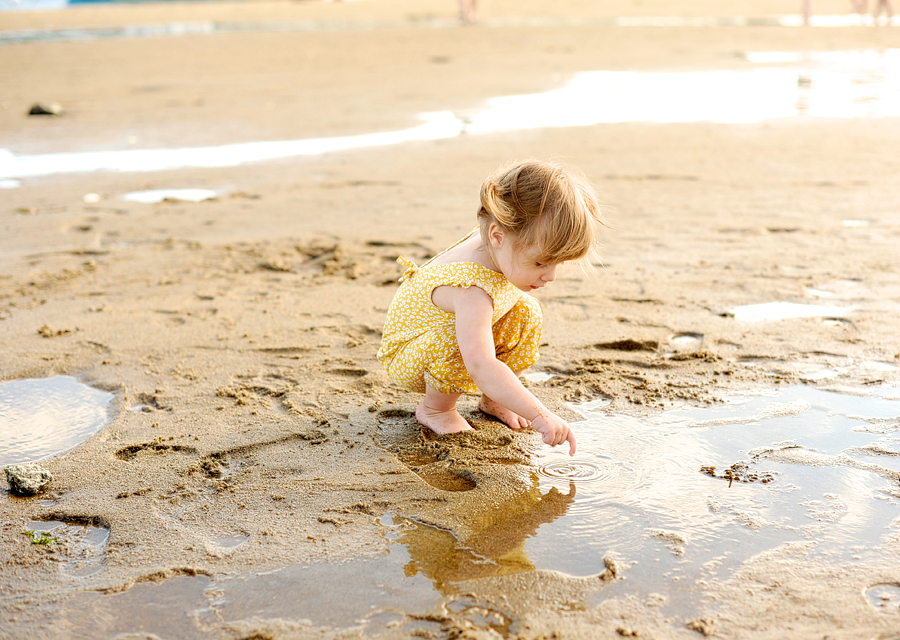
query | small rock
[46, 109]
[27, 479]
[706, 626]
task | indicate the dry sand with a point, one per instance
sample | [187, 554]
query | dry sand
[250, 322]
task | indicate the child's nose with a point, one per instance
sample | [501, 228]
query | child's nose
[550, 274]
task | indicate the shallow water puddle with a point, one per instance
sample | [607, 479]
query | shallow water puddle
[166, 610]
[849, 84]
[363, 594]
[152, 196]
[885, 597]
[679, 499]
[437, 126]
[44, 417]
[841, 85]
[787, 311]
[85, 544]
[691, 494]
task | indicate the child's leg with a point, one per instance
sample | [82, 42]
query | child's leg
[517, 336]
[431, 363]
[438, 412]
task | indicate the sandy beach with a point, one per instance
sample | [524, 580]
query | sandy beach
[246, 325]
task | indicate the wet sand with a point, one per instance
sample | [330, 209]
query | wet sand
[248, 324]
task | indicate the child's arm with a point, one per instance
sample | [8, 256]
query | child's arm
[474, 308]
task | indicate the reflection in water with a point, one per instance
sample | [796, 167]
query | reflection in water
[44, 417]
[498, 548]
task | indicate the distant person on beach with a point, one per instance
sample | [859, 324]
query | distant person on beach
[468, 11]
[859, 6]
[465, 320]
[806, 10]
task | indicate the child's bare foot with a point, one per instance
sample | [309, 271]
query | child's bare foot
[504, 415]
[441, 422]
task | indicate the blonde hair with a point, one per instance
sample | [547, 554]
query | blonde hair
[542, 207]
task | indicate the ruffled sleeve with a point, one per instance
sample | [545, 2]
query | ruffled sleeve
[411, 268]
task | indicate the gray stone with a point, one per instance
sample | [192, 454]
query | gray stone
[27, 479]
[46, 109]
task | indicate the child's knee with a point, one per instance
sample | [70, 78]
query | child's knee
[524, 318]
[519, 331]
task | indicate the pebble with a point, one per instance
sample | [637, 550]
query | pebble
[27, 479]
[46, 109]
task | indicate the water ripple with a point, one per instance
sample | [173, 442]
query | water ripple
[578, 471]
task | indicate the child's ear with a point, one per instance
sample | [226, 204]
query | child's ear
[495, 235]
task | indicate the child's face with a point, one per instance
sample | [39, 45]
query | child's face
[521, 268]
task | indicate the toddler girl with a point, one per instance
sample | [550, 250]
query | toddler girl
[465, 321]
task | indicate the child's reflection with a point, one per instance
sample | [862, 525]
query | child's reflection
[497, 548]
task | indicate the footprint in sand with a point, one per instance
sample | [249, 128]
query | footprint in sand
[80, 543]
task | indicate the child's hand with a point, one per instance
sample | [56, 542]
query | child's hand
[554, 430]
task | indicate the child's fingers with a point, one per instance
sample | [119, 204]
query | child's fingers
[554, 438]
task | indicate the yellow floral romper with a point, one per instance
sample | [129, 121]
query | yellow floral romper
[419, 345]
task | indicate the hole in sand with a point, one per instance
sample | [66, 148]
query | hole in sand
[686, 341]
[226, 544]
[224, 466]
[629, 344]
[145, 403]
[438, 473]
[538, 376]
[40, 418]
[157, 447]
[683, 344]
[838, 322]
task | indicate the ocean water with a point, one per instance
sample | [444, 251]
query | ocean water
[773, 86]
[38, 5]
